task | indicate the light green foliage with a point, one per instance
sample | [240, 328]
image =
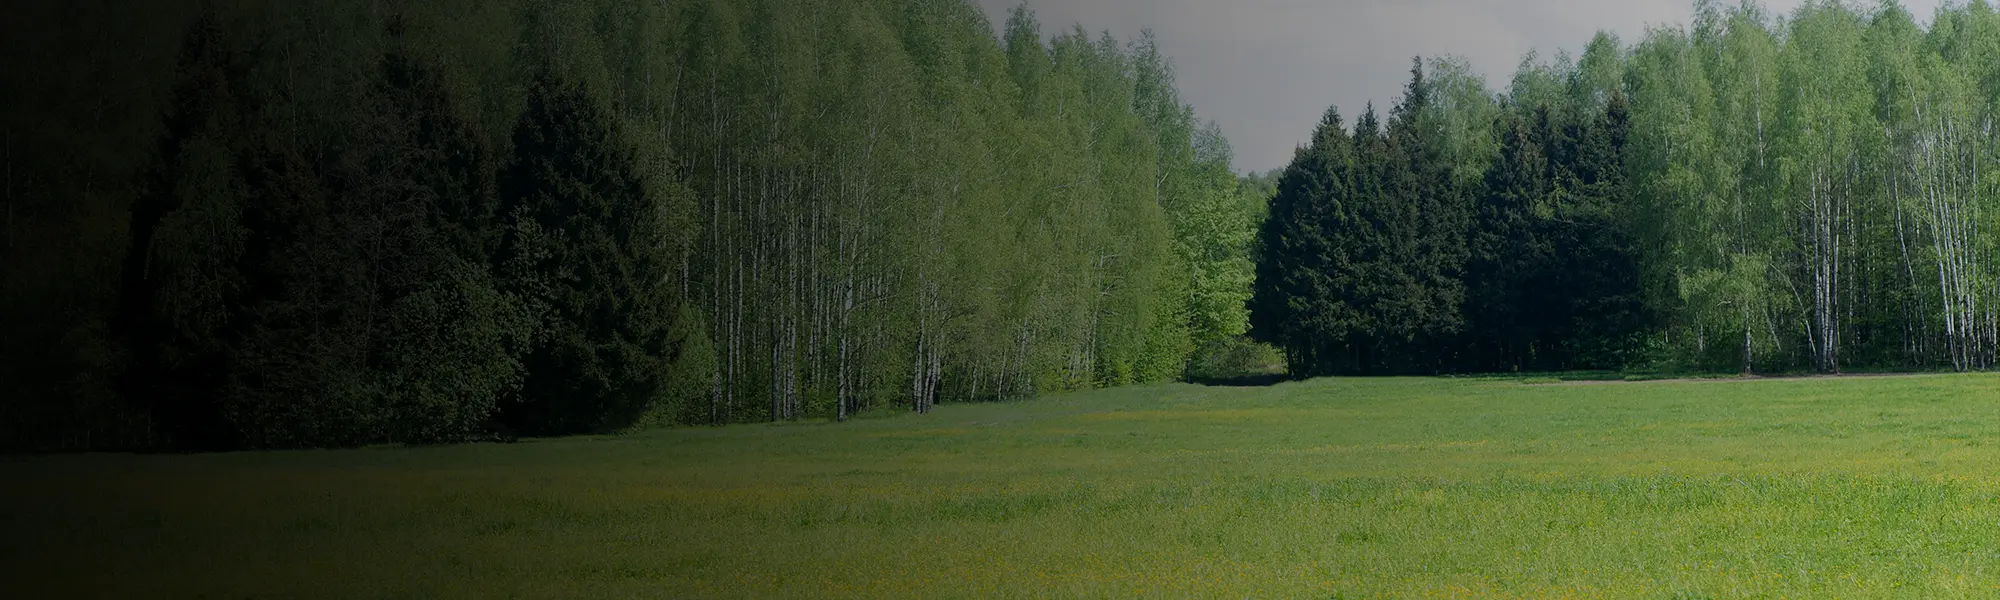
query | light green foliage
[1463, 488]
[896, 207]
[845, 206]
[1236, 360]
[1742, 219]
[1464, 111]
[1212, 225]
[1537, 82]
[1813, 191]
[1825, 119]
[1213, 233]
[1669, 138]
[1816, 178]
[1599, 74]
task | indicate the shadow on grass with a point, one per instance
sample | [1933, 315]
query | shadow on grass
[1681, 375]
[1242, 381]
[1259, 380]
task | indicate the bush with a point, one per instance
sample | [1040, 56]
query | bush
[1235, 358]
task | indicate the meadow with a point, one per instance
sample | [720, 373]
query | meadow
[1863, 487]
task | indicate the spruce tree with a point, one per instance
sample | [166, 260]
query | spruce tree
[372, 316]
[448, 355]
[583, 251]
[1373, 270]
[1604, 304]
[180, 277]
[1424, 221]
[1297, 303]
[1508, 251]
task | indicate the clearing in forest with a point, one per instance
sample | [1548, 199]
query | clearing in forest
[1848, 487]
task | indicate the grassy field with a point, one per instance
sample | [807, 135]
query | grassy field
[1339, 488]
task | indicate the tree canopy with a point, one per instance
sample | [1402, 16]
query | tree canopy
[1746, 192]
[578, 217]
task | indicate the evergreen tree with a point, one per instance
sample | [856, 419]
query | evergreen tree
[1599, 275]
[1374, 273]
[1508, 250]
[450, 340]
[583, 251]
[880, 203]
[181, 280]
[1298, 303]
[1424, 219]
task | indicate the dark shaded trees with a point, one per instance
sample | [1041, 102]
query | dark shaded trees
[583, 216]
[583, 251]
[181, 277]
[1424, 215]
[1361, 257]
[423, 220]
[1299, 303]
[291, 288]
[1510, 255]
[1381, 261]
[1605, 318]
[1748, 193]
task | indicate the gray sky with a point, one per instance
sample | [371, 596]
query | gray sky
[1265, 70]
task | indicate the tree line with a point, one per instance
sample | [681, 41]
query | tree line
[1748, 192]
[249, 225]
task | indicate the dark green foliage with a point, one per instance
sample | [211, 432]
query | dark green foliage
[293, 225]
[1607, 319]
[80, 123]
[1299, 304]
[416, 210]
[295, 364]
[583, 251]
[363, 222]
[1423, 217]
[1236, 360]
[1554, 268]
[181, 281]
[1510, 255]
[282, 291]
[1360, 267]
[1374, 260]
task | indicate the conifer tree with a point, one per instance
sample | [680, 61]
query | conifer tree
[1599, 274]
[582, 250]
[1508, 252]
[1297, 303]
[1425, 219]
[180, 276]
[449, 354]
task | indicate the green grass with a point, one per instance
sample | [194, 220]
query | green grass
[1340, 488]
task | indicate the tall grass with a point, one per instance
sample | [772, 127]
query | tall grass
[1341, 488]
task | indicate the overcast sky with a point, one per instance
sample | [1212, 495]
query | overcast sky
[1265, 70]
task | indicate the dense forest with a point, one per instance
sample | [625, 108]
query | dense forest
[250, 224]
[1747, 193]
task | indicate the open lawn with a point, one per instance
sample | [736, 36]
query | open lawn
[1337, 488]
